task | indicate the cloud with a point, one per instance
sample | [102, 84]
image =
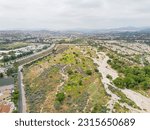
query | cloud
[71, 14]
[84, 3]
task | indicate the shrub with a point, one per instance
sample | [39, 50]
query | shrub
[15, 97]
[70, 72]
[75, 54]
[57, 105]
[89, 72]
[109, 77]
[60, 97]
[80, 82]
[96, 70]
[1, 75]
[119, 82]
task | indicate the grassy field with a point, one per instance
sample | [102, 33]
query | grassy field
[12, 46]
[65, 82]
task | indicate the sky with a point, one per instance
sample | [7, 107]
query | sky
[73, 14]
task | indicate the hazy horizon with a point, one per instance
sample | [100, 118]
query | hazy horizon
[73, 14]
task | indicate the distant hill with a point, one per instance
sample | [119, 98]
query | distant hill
[121, 29]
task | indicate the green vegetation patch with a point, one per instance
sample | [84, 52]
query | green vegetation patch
[133, 77]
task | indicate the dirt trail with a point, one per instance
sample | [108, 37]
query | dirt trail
[142, 101]
[65, 78]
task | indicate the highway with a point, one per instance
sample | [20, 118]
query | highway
[33, 55]
[22, 107]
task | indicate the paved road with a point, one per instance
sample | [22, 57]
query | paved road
[22, 99]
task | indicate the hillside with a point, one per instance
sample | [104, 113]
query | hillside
[65, 82]
[96, 78]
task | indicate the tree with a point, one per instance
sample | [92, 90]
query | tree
[147, 70]
[1, 75]
[129, 82]
[96, 70]
[6, 59]
[109, 77]
[80, 82]
[70, 72]
[15, 97]
[11, 71]
[119, 82]
[88, 72]
[145, 85]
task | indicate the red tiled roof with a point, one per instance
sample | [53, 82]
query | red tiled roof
[4, 108]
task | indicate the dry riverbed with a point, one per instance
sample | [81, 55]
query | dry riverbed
[141, 101]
